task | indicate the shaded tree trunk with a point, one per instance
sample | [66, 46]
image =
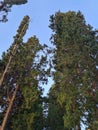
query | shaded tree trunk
[78, 127]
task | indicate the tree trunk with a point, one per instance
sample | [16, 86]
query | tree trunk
[79, 127]
[6, 69]
[8, 64]
[3, 126]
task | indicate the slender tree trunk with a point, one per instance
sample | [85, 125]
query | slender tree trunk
[21, 34]
[5, 120]
[5, 71]
[8, 64]
[79, 127]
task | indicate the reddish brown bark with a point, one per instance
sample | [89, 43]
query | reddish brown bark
[79, 128]
[7, 114]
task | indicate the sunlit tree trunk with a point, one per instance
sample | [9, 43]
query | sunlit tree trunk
[7, 114]
[18, 39]
[8, 64]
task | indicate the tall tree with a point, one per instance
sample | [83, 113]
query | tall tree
[6, 61]
[27, 107]
[26, 70]
[75, 61]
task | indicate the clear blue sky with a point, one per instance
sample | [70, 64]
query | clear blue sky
[40, 11]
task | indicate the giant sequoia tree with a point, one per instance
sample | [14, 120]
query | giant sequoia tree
[76, 73]
[20, 90]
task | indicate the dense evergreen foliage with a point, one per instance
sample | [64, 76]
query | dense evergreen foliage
[75, 77]
[18, 2]
[26, 69]
[73, 98]
[5, 7]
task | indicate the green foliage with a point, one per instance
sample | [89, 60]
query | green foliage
[27, 70]
[17, 2]
[75, 61]
[55, 112]
[5, 7]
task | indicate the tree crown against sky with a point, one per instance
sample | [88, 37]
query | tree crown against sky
[27, 70]
[5, 8]
[75, 61]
